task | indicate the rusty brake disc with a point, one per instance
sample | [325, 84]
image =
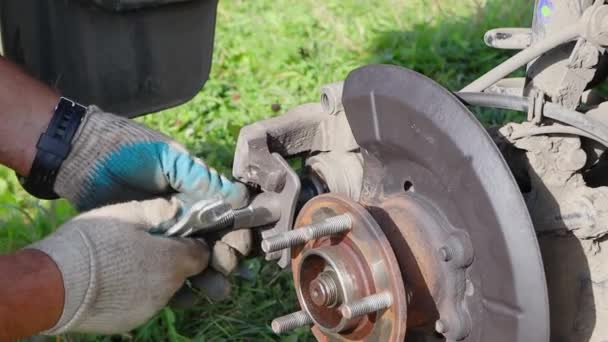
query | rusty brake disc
[438, 187]
[440, 244]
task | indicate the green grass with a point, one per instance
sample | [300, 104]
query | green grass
[279, 53]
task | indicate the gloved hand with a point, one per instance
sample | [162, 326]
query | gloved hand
[116, 274]
[115, 160]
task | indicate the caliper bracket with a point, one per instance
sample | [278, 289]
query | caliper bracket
[260, 162]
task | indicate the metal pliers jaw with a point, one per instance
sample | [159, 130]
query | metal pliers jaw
[215, 214]
[203, 217]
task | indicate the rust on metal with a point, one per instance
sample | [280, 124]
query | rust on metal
[433, 255]
[345, 268]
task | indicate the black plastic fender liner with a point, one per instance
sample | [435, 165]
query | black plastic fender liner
[416, 134]
[128, 62]
[127, 5]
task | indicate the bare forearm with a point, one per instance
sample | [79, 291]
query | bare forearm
[26, 107]
[31, 294]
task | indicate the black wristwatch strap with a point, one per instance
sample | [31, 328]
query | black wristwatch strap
[53, 148]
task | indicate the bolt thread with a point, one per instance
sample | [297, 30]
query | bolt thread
[223, 222]
[367, 305]
[289, 322]
[326, 285]
[227, 220]
[329, 226]
[331, 287]
[282, 241]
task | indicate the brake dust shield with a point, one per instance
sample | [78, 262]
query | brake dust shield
[444, 197]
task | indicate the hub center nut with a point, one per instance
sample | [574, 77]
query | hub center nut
[328, 278]
[324, 290]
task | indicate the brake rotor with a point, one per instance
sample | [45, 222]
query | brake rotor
[444, 197]
[440, 243]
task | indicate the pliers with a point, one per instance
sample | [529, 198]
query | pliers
[214, 215]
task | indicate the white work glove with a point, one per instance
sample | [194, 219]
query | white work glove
[116, 274]
[114, 160]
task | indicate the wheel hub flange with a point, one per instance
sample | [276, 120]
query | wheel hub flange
[341, 273]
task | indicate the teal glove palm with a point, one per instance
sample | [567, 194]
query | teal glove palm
[114, 160]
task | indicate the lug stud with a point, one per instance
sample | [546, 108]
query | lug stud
[330, 226]
[367, 305]
[289, 322]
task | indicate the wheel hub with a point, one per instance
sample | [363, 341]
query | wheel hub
[335, 275]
